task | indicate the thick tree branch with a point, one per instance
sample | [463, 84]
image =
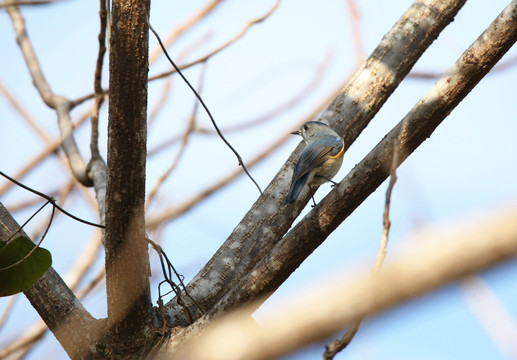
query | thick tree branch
[267, 220]
[127, 261]
[436, 259]
[72, 325]
[366, 176]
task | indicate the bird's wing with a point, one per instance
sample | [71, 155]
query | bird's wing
[316, 153]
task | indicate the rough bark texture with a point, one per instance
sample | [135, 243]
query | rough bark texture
[370, 173]
[127, 262]
[57, 305]
[268, 220]
[415, 128]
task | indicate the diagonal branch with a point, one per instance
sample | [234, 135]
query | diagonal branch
[437, 260]
[410, 132]
[267, 220]
[229, 42]
[60, 104]
[64, 315]
[182, 27]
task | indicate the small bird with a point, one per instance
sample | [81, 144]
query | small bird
[320, 160]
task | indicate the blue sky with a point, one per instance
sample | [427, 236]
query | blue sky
[467, 167]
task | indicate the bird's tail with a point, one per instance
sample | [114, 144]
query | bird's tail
[295, 190]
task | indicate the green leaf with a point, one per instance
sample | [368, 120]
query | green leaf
[21, 276]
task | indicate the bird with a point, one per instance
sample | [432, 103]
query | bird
[320, 160]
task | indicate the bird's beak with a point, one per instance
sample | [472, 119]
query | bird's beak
[297, 132]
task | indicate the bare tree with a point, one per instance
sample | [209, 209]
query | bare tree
[265, 247]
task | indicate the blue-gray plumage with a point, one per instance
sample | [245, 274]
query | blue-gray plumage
[320, 160]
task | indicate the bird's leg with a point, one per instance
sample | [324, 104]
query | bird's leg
[333, 182]
[312, 196]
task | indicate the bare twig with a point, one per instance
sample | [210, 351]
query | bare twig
[262, 118]
[159, 105]
[241, 163]
[236, 37]
[28, 2]
[496, 319]
[166, 215]
[190, 128]
[59, 103]
[356, 30]
[52, 148]
[99, 96]
[167, 270]
[381, 254]
[336, 346]
[182, 27]
[62, 195]
[200, 60]
[50, 200]
[7, 310]
[29, 119]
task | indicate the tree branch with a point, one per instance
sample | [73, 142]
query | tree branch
[435, 259]
[410, 132]
[127, 261]
[72, 325]
[59, 103]
[267, 220]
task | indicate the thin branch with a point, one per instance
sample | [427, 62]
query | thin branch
[182, 27]
[99, 96]
[336, 346]
[263, 118]
[241, 163]
[167, 269]
[381, 254]
[51, 149]
[50, 200]
[200, 60]
[28, 2]
[29, 119]
[229, 42]
[60, 104]
[7, 310]
[186, 136]
[495, 318]
[164, 216]
[356, 30]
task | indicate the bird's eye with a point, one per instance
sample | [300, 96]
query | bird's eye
[305, 127]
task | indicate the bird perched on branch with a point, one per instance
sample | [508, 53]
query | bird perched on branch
[320, 160]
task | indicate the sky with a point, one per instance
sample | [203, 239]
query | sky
[466, 168]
